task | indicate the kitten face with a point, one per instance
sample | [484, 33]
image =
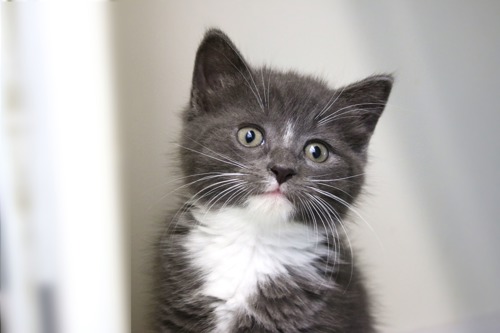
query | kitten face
[278, 143]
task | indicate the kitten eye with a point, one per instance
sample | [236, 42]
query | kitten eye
[316, 152]
[250, 137]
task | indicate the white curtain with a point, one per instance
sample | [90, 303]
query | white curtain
[63, 257]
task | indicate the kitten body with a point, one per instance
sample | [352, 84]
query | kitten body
[272, 163]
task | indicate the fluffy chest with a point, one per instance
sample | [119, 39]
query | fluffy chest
[236, 250]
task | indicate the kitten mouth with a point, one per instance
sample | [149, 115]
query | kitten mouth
[276, 192]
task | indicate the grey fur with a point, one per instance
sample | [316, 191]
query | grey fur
[227, 93]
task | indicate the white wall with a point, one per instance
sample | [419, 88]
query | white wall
[434, 177]
[433, 260]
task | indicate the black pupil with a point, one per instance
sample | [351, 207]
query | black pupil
[250, 136]
[315, 151]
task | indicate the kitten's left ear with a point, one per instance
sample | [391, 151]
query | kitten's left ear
[362, 105]
[218, 64]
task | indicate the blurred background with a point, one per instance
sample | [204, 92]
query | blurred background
[90, 105]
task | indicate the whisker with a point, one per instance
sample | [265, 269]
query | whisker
[336, 188]
[256, 92]
[221, 194]
[332, 115]
[335, 179]
[341, 223]
[219, 154]
[327, 106]
[342, 115]
[220, 174]
[236, 192]
[309, 212]
[191, 202]
[324, 222]
[263, 86]
[176, 180]
[343, 88]
[215, 158]
[248, 70]
[268, 88]
[321, 207]
[350, 208]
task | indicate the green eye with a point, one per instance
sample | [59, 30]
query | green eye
[316, 152]
[250, 137]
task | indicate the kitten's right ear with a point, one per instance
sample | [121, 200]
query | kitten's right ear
[218, 64]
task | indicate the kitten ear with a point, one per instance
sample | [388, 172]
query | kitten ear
[362, 104]
[218, 64]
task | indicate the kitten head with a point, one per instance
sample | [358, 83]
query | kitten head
[278, 143]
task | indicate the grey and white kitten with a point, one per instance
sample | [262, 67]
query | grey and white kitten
[272, 162]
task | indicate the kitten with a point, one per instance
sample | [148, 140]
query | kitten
[272, 163]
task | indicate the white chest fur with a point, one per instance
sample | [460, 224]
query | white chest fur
[236, 249]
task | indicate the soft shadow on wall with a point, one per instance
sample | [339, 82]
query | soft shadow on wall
[445, 121]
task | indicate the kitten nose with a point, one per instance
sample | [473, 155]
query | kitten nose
[282, 174]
